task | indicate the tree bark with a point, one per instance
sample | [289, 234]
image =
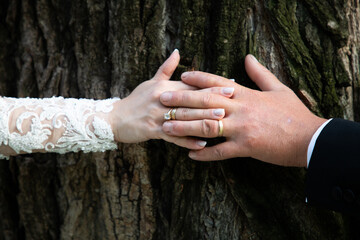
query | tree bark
[105, 48]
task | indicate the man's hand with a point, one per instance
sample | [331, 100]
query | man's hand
[271, 125]
[139, 117]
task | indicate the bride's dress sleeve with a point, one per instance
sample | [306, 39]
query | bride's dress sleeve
[55, 125]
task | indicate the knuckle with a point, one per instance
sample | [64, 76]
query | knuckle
[250, 143]
[152, 113]
[185, 113]
[219, 153]
[251, 135]
[159, 87]
[208, 128]
[160, 84]
[214, 90]
[246, 110]
[205, 113]
[183, 98]
[206, 100]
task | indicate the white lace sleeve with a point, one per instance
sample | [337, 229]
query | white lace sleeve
[55, 125]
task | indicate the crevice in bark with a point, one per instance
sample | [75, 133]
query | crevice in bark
[107, 54]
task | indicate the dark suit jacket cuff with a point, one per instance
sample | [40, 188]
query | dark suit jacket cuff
[333, 178]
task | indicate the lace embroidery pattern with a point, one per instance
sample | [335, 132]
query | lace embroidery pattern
[82, 129]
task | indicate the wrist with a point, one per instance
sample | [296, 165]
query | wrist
[314, 124]
[116, 119]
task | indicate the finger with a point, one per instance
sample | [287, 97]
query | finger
[198, 128]
[224, 91]
[220, 151]
[193, 99]
[263, 78]
[186, 142]
[178, 85]
[187, 114]
[206, 80]
[168, 67]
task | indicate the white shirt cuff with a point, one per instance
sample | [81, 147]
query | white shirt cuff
[313, 141]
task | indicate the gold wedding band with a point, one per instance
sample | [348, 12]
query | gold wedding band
[170, 115]
[167, 116]
[221, 128]
[173, 114]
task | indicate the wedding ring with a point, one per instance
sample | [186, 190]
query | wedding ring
[221, 128]
[173, 114]
[167, 116]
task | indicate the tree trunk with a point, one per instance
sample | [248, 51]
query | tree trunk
[105, 48]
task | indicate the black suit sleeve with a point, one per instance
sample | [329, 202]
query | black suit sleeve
[333, 178]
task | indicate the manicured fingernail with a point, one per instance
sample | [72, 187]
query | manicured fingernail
[201, 143]
[192, 154]
[219, 112]
[254, 58]
[165, 97]
[167, 126]
[175, 50]
[228, 91]
[185, 75]
[231, 79]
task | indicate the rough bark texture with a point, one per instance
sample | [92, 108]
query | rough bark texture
[104, 48]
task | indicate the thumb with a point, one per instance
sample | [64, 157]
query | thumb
[263, 78]
[168, 67]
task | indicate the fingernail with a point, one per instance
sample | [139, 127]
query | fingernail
[192, 154]
[228, 91]
[232, 79]
[254, 58]
[185, 75]
[175, 50]
[167, 126]
[165, 97]
[219, 112]
[201, 143]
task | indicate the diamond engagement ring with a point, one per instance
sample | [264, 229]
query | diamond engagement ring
[167, 116]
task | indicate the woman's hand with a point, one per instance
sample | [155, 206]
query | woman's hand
[271, 125]
[139, 117]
